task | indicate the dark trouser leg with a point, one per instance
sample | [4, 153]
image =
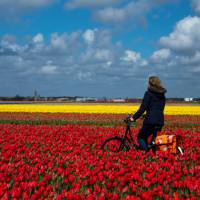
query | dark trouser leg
[155, 130]
[145, 132]
[143, 144]
[154, 135]
[143, 135]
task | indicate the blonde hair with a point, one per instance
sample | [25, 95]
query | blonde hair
[155, 82]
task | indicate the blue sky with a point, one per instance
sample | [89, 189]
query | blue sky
[99, 48]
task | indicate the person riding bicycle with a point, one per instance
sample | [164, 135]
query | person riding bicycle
[153, 103]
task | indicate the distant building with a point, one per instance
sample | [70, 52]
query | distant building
[118, 100]
[188, 99]
[196, 99]
[86, 99]
[63, 99]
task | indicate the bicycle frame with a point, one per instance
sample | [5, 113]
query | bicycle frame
[130, 138]
[127, 136]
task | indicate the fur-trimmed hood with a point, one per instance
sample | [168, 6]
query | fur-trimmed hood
[158, 90]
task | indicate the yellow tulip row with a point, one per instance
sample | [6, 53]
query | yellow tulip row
[95, 108]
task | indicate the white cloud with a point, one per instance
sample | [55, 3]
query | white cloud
[103, 54]
[9, 38]
[58, 42]
[117, 11]
[181, 49]
[178, 66]
[72, 4]
[132, 10]
[13, 7]
[144, 63]
[109, 63]
[8, 44]
[84, 75]
[160, 55]
[176, 61]
[73, 55]
[36, 44]
[38, 38]
[89, 36]
[192, 61]
[131, 56]
[67, 57]
[185, 37]
[49, 69]
[111, 15]
[196, 6]
[97, 55]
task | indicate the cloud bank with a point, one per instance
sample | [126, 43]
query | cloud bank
[10, 8]
[82, 57]
[90, 58]
[196, 6]
[117, 11]
[73, 4]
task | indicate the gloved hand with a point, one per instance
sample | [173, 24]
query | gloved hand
[132, 119]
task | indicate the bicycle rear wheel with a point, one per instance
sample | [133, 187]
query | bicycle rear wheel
[115, 144]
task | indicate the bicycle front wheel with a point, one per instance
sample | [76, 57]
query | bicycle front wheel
[115, 144]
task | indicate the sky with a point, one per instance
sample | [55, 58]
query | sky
[101, 48]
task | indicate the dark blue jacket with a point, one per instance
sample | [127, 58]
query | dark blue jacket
[153, 103]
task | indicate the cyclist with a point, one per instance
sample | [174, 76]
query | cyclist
[153, 103]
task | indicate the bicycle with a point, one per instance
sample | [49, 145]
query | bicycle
[123, 143]
[126, 142]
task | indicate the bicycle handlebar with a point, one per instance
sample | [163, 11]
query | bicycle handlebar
[128, 122]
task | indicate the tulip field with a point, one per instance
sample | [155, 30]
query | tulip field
[46, 154]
